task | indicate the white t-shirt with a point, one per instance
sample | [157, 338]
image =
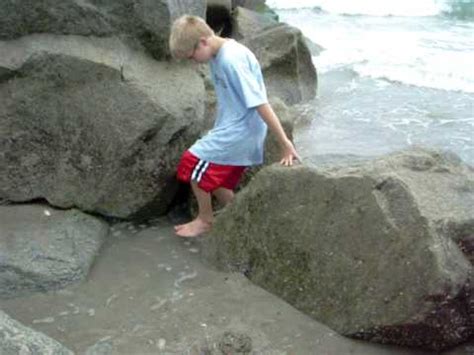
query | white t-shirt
[238, 135]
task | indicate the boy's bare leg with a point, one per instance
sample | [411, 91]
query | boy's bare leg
[223, 195]
[203, 221]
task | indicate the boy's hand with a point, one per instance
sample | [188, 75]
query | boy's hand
[287, 148]
[289, 153]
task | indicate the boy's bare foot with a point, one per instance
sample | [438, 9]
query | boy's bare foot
[178, 227]
[193, 228]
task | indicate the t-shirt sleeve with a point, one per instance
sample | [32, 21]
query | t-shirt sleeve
[246, 80]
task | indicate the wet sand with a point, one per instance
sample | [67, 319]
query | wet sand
[150, 292]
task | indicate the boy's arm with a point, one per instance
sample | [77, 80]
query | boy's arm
[288, 149]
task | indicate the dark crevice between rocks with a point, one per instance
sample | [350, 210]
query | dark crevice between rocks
[4, 201]
[158, 206]
[179, 210]
[177, 135]
[155, 45]
[220, 20]
[6, 74]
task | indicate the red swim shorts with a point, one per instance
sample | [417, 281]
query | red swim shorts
[209, 176]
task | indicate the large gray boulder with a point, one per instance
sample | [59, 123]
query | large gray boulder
[42, 248]
[90, 123]
[146, 21]
[256, 5]
[286, 62]
[375, 250]
[246, 23]
[17, 339]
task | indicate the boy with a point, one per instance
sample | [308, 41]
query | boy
[215, 163]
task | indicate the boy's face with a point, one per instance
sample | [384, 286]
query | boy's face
[202, 52]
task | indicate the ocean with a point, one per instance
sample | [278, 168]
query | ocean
[392, 74]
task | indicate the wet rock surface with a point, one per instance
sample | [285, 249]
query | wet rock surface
[16, 339]
[365, 249]
[93, 124]
[145, 22]
[151, 293]
[42, 248]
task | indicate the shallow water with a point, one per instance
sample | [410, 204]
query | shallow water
[150, 292]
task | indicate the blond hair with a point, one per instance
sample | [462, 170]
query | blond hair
[186, 32]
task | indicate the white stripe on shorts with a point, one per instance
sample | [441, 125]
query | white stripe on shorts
[196, 169]
[199, 169]
[203, 170]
